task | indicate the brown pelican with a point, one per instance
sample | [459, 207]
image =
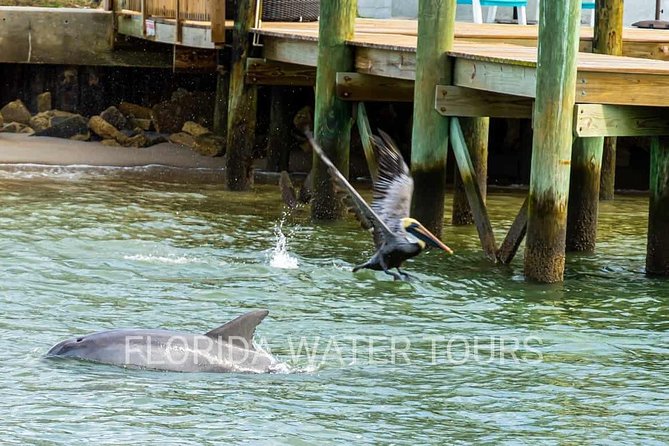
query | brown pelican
[397, 237]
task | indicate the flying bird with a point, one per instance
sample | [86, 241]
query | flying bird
[397, 236]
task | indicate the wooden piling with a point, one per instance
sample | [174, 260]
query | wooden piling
[242, 103]
[586, 164]
[657, 258]
[221, 104]
[332, 115]
[552, 140]
[475, 131]
[280, 125]
[429, 141]
[608, 39]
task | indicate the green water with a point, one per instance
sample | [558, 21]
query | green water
[83, 252]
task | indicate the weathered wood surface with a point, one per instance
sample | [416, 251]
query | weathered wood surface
[332, 117]
[242, 104]
[608, 175]
[514, 238]
[269, 72]
[552, 140]
[592, 120]
[358, 87]
[279, 140]
[70, 37]
[366, 139]
[474, 194]
[429, 139]
[475, 132]
[657, 257]
[459, 101]
[586, 163]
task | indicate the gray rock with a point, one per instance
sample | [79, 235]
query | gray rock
[69, 127]
[113, 116]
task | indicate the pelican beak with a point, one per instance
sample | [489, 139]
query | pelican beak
[430, 239]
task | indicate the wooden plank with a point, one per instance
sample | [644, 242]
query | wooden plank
[145, 15]
[622, 88]
[619, 120]
[217, 14]
[387, 63]
[509, 248]
[194, 60]
[496, 77]
[474, 196]
[300, 52]
[269, 72]
[366, 138]
[467, 102]
[364, 87]
[177, 20]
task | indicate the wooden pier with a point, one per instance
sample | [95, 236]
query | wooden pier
[475, 72]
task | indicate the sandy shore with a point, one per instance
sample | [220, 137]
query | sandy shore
[24, 149]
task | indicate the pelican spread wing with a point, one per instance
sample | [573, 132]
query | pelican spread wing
[363, 210]
[394, 186]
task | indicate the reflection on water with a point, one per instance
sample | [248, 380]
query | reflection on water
[470, 353]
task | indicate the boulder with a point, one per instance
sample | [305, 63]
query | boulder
[2, 121]
[153, 138]
[133, 110]
[16, 111]
[209, 145]
[72, 127]
[17, 127]
[183, 139]
[41, 121]
[44, 102]
[170, 116]
[138, 123]
[137, 141]
[195, 129]
[105, 130]
[113, 116]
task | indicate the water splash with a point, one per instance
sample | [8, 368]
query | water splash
[279, 257]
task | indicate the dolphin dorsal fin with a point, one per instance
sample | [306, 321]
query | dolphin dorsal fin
[240, 330]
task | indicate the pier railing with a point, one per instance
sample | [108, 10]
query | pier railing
[205, 12]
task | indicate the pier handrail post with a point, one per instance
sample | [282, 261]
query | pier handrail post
[242, 103]
[552, 140]
[657, 257]
[430, 134]
[332, 116]
[608, 39]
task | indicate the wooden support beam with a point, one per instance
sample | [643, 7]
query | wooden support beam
[221, 104]
[177, 22]
[429, 141]
[300, 52]
[366, 138]
[194, 60]
[497, 77]
[217, 17]
[269, 72]
[242, 103]
[475, 131]
[474, 194]
[332, 115]
[608, 39]
[145, 15]
[459, 101]
[509, 248]
[364, 88]
[392, 63]
[591, 120]
[583, 209]
[280, 124]
[552, 139]
[657, 257]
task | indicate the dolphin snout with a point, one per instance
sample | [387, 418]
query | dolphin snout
[63, 347]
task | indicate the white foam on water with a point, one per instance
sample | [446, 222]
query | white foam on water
[170, 259]
[279, 257]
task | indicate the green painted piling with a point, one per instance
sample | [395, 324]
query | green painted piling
[242, 103]
[332, 116]
[475, 131]
[608, 39]
[429, 142]
[586, 165]
[552, 140]
[657, 257]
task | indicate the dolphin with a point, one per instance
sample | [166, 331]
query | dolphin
[228, 348]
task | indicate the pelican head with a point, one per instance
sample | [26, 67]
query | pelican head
[425, 237]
